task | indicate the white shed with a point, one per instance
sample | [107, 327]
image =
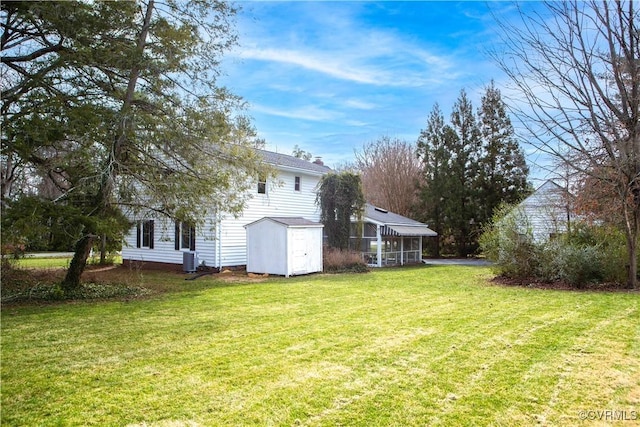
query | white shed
[286, 246]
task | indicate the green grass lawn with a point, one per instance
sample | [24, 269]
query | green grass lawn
[436, 346]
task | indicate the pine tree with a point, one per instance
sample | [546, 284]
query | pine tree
[118, 103]
[432, 150]
[503, 169]
[470, 167]
[464, 191]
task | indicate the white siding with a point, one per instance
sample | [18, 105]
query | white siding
[287, 250]
[546, 211]
[164, 245]
[267, 248]
[281, 200]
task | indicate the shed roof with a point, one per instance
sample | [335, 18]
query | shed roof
[296, 221]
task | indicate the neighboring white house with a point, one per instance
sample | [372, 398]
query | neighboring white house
[547, 212]
[291, 194]
[388, 238]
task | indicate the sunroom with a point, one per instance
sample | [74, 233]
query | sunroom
[387, 239]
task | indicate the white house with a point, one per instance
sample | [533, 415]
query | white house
[162, 242]
[547, 212]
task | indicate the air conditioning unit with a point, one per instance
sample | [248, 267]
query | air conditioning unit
[189, 262]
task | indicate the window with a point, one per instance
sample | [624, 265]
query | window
[185, 236]
[297, 183]
[144, 234]
[262, 184]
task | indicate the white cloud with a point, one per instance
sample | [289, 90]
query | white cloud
[360, 105]
[356, 123]
[337, 66]
[329, 76]
[311, 113]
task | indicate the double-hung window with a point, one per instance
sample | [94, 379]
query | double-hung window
[144, 234]
[185, 236]
[262, 184]
[297, 185]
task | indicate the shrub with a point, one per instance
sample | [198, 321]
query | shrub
[508, 242]
[611, 245]
[590, 254]
[566, 261]
[341, 260]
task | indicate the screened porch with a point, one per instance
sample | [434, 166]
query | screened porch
[387, 245]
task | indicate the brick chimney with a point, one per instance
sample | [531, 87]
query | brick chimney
[318, 161]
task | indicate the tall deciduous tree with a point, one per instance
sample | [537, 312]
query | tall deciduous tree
[340, 198]
[390, 171]
[576, 66]
[119, 102]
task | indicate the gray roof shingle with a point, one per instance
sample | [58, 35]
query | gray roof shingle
[293, 220]
[387, 217]
[396, 224]
[285, 160]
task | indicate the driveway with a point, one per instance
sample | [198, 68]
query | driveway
[456, 261]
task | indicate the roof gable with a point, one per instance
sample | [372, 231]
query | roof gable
[548, 193]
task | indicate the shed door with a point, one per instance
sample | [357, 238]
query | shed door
[299, 247]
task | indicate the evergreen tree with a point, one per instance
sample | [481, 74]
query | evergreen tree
[470, 167]
[503, 169]
[432, 149]
[463, 190]
[117, 103]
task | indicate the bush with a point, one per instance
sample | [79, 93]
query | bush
[612, 248]
[339, 260]
[590, 254]
[508, 242]
[566, 261]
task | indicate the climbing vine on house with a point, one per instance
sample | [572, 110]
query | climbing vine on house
[340, 198]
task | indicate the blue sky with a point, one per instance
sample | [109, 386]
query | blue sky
[331, 76]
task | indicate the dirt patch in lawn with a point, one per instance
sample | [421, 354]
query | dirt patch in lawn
[36, 285]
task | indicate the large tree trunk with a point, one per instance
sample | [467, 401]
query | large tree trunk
[78, 263]
[103, 199]
[632, 230]
[103, 249]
